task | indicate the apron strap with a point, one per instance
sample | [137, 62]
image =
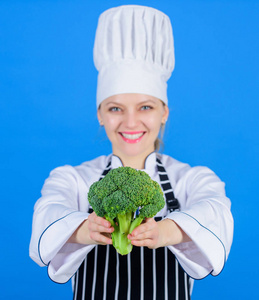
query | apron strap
[106, 170]
[171, 202]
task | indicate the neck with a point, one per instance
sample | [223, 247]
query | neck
[133, 163]
[136, 162]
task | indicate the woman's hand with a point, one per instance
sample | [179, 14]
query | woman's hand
[154, 234]
[94, 230]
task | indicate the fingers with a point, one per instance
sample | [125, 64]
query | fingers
[146, 234]
[144, 229]
[100, 238]
[99, 224]
[99, 229]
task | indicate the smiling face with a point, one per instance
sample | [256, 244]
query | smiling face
[132, 123]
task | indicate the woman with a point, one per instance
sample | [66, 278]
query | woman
[192, 234]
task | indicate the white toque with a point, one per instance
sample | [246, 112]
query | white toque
[133, 52]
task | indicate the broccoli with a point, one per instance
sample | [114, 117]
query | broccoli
[125, 197]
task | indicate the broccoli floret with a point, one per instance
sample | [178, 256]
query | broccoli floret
[125, 197]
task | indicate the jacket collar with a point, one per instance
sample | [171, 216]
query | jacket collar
[150, 163]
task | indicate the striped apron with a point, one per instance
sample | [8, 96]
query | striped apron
[144, 273]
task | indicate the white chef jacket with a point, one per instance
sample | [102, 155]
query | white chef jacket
[205, 216]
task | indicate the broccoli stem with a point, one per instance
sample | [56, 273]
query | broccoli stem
[121, 226]
[110, 220]
[121, 243]
[124, 222]
[135, 223]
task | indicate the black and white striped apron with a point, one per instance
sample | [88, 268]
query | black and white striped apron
[144, 273]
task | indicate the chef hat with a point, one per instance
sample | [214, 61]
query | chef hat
[133, 52]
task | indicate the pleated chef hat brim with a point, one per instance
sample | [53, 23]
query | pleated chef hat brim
[133, 52]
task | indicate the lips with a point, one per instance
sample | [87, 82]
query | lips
[132, 137]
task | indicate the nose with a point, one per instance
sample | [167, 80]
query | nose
[131, 119]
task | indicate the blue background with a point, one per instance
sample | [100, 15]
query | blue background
[48, 119]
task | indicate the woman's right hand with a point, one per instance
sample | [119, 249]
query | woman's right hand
[94, 230]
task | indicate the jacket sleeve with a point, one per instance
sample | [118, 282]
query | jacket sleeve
[56, 216]
[206, 218]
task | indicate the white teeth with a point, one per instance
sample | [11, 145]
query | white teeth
[132, 136]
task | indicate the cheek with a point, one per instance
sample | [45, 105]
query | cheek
[153, 122]
[110, 124]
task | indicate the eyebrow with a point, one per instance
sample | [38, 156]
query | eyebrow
[121, 103]
[148, 100]
[112, 103]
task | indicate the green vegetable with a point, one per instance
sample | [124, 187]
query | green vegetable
[118, 196]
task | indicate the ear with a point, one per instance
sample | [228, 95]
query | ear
[99, 117]
[165, 114]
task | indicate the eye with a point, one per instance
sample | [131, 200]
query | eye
[146, 107]
[114, 108]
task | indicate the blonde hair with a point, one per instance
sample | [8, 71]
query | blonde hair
[159, 144]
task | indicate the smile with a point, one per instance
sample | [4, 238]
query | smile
[132, 137]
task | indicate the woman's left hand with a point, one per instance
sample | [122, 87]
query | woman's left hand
[154, 234]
